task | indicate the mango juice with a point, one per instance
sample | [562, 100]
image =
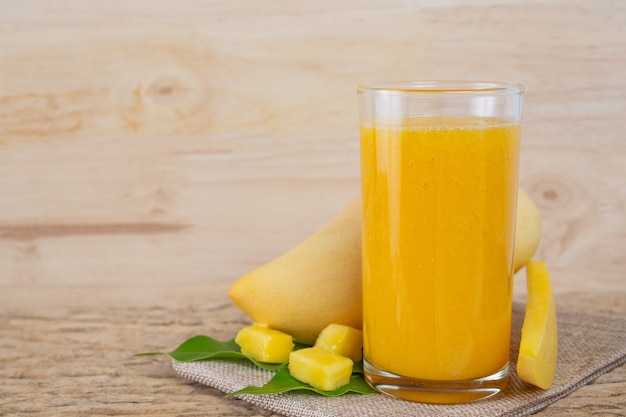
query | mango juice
[439, 198]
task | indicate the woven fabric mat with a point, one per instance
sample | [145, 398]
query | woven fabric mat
[589, 345]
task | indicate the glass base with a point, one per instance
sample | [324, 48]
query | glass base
[436, 392]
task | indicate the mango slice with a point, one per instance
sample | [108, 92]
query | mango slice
[264, 344]
[343, 340]
[320, 369]
[538, 352]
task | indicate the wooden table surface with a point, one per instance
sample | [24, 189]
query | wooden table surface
[151, 152]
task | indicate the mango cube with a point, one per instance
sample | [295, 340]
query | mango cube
[320, 369]
[264, 344]
[343, 340]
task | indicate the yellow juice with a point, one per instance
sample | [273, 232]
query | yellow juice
[439, 198]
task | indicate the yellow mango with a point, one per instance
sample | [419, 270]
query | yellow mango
[320, 369]
[343, 340]
[264, 344]
[538, 352]
[318, 282]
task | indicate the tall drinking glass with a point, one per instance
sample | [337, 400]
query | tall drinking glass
[439, 176]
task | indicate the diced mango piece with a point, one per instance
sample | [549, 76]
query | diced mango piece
[321, 369]
[264, 344]
[343, 340]
[536, 363]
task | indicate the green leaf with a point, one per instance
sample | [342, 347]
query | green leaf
[282, 381]
[358, 368]
[200, 348]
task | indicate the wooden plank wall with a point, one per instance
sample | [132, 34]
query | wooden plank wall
[156, 144]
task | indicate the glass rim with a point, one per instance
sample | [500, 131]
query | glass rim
[430, 87]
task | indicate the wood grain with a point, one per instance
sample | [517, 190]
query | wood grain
[78, 361]
[152, 152]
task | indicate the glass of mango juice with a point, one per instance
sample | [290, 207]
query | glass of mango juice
[439, 178]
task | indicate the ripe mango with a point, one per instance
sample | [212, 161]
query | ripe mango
[318, 282]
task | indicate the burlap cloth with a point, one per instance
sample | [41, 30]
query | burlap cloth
[589, 345]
